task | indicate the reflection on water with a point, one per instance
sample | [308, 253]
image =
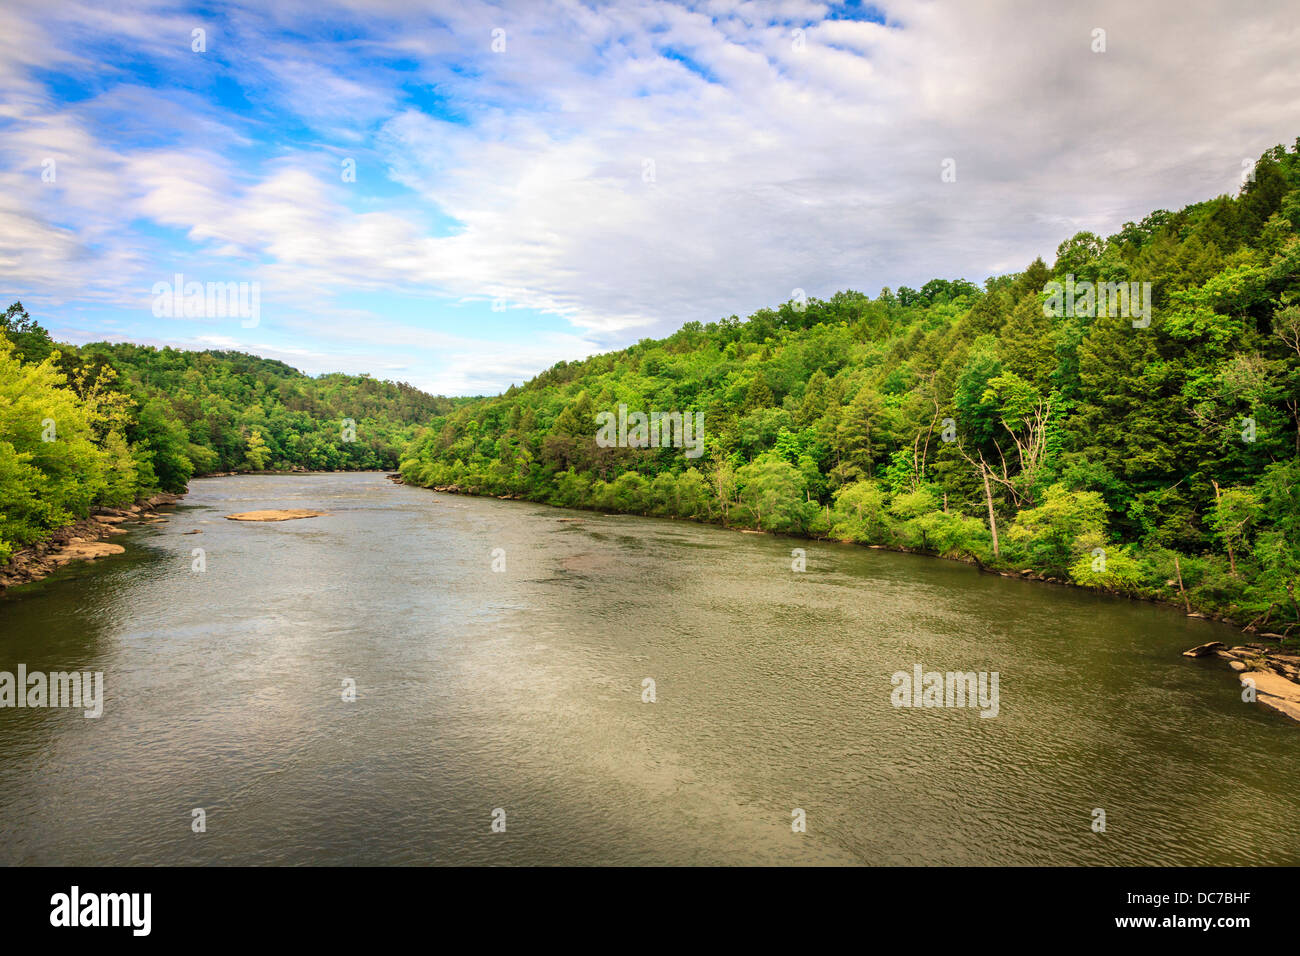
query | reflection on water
[522, 690]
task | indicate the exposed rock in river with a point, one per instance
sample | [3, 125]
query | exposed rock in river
[281, 514]
[1275, 691]
[1273, 673]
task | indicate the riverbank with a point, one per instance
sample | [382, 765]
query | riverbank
[1274, 670]
[1273, 674]
[84, 540]
[1178, 601]
[292, 471]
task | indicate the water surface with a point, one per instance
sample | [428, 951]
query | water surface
[522, 690]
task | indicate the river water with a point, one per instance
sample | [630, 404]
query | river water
[521, 691]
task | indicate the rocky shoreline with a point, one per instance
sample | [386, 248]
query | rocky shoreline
[1274, 673]
[83, 540]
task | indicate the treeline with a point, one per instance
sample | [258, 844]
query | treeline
[108, 424]
[1151, 451]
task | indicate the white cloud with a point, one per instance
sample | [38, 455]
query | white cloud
[774, 167]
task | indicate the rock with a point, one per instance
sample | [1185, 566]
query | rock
[1273, 675]
[284, 514]
[90, 551]
[1273, 690]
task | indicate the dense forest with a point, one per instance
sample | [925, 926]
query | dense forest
[1150, 449]
[109, 424]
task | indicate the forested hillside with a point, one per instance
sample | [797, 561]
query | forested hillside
[108, 424]
[1118, 451]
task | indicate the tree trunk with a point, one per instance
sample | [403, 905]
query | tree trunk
[988, 496]
[1181, 590]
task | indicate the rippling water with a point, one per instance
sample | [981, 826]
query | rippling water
[522, 690]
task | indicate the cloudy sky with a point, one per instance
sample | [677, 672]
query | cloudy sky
[537, 181]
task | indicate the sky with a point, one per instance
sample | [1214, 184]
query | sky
[460, 194]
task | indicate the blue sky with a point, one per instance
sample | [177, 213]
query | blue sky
[541, 181]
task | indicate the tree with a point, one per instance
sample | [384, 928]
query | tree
[1235, 510]
[30, 341]
[54, 470]
[256, 455]
[853, 437]
[724, 485]
[1024, 414]
[1049, 534]
[771, 490]
[861, 514]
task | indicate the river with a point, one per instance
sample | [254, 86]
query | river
[521, 690]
